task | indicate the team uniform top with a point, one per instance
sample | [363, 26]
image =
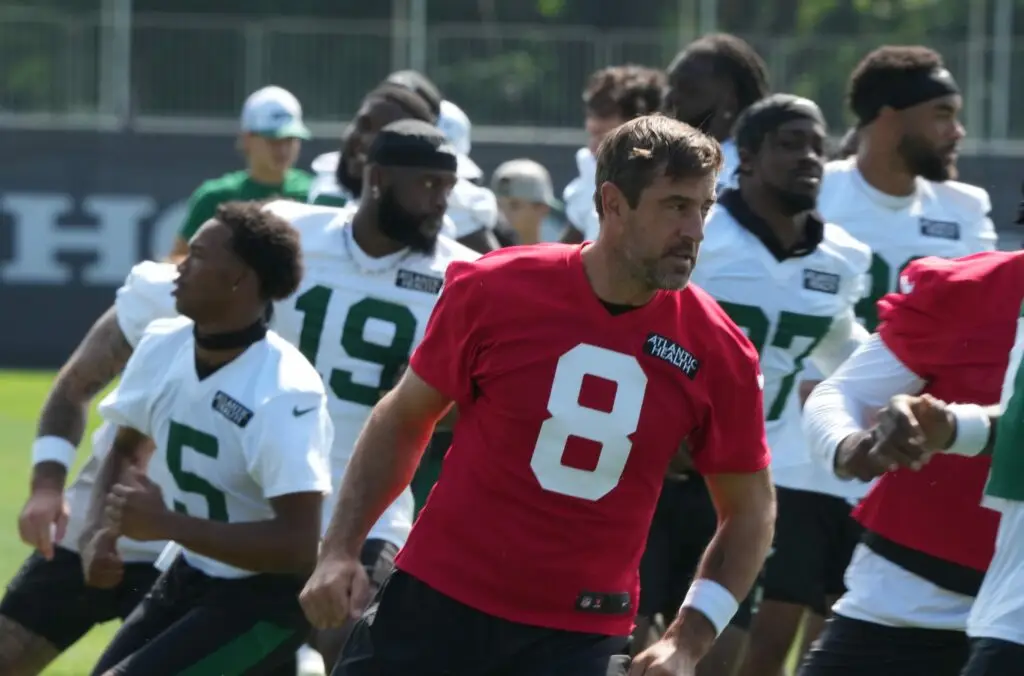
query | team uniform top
[357, 320]
[238, 185]
[568, 418]
[949, 219]
[144, 297]
[792, 306]
[254, 430]
[1006, 479]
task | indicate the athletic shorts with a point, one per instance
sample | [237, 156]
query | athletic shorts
[850, 647]
[378, 559]
[994, 657]
[814, 540]
[192, 624]
[413, 630]
[683, 525]
[51, 600]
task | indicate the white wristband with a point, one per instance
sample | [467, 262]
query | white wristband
[713, 601]
[972, 429]
[53, 449]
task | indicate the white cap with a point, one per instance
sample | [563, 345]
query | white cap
[454, 124]
[273, 112]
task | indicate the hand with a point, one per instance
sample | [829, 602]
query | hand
[135, 508]
[854, 459]
[44, 520]
[338, 589]
[664, 658]
[101, 562]
[910, 430]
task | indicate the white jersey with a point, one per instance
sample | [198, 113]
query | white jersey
[949, 220]
[144, 297]
[793, 309]
[730, 163]
[470, 206]
[578, 196]
[358, 319]
[255, 429]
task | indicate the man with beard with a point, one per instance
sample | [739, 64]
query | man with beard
[710, 83]
[472, 209]
[578, 372]
[895, 193]
[928, 539]
[373, 276]
[791, 281]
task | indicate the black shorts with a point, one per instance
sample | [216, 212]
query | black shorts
[854, 648]
[683, 525]
[411, 629]
[191, 623]
[814, 541]
[51, 600]
[378, 559]
[994, 657]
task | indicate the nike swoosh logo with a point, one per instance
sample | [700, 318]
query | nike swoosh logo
[300, 412]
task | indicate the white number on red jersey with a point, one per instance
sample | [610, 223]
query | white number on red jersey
[569, 418]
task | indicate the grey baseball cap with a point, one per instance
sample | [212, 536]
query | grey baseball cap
[525, 180]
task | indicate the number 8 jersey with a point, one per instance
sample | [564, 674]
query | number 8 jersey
[797, 307]
[569, 415]
[357, 320]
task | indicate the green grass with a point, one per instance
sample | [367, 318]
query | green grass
[21, 396]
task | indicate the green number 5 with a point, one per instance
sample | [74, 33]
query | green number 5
[791, 325]
[313, 304]
[180, 437]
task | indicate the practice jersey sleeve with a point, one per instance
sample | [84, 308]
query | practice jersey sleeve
[732, 439]
[145, 297]
[446, 356]
[130, 403]
[844, 336]
[913, 320]
[845, 401]
[290, 445]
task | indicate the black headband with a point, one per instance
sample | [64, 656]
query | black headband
[913, 89]
[769, 114]
[413, 144]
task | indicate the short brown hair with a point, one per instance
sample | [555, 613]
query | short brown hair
[624, 91]
[634, 154]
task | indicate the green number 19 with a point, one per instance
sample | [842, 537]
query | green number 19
[881, 279]
[791, 325]
[313, 304]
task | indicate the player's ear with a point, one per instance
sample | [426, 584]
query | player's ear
[746, 165]
[373, 181]
[612, 199]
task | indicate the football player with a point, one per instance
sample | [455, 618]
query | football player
[238, 418]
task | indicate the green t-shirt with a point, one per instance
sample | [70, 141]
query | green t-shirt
[1006, 478]
[238, 186]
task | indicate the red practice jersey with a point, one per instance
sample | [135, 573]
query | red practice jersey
[953, 324]
[568, 418]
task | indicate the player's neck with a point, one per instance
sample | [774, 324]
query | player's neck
[788, 229]
[368, 237]
[219, 342]
[528, 234]
[610, 280]
[265, 175]
[884, 171]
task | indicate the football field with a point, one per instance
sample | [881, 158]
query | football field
[21, 395]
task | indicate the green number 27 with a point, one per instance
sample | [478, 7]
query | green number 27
[791, 325]
[313, 305]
